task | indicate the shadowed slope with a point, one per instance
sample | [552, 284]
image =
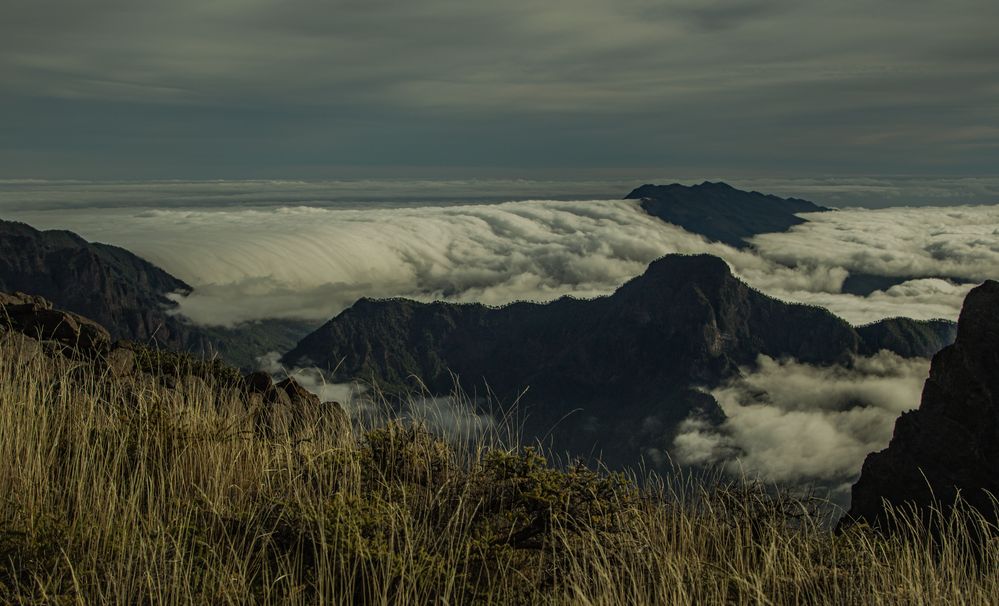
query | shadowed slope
[126, 294]
[615, 373]
[951, 443]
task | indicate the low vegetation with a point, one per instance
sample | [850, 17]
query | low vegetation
[116, 489]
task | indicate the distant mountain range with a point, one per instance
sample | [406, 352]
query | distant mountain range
[124, 293]
[721, 212]
[612, 375]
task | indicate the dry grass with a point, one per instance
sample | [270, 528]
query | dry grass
[118, 491]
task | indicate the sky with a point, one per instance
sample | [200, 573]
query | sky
[320, 89]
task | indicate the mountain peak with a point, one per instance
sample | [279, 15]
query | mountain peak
[675, 270]
[719, 185]
[698, 264]
[109, 284]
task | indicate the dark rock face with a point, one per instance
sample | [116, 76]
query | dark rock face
[616, 371]
[721, 212]
[34, 317]
[126, 294]
[287, 407]
[108, 284]
[298, 395]
[259, 382]
[951, 443]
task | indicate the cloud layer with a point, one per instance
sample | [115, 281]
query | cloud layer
[25, 195]
[793, 423]
[960, 241]
[313, 261]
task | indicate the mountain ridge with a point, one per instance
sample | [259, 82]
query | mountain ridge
[637, 353]
[125, 293]
[720, 212]
[106, 283]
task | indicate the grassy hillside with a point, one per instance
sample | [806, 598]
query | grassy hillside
[118, 490]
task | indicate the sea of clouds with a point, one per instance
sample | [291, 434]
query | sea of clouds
[312, 262]
[294, 250]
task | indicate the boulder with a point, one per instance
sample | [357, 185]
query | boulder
[259, 382]
[300, 397]
[35, 317]
[19, 346]
[121, 361]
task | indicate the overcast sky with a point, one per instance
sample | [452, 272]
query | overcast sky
[117, 89]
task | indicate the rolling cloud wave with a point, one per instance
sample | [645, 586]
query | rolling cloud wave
[312, 262]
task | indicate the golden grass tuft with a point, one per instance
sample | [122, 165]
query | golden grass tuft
[118, 491]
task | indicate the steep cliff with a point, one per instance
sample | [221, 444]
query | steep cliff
[951, 443]
[108, 284]
[127, 294]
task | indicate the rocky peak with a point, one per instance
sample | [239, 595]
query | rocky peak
[678, 269]
[119, 290]
[950, 444]
[978, 326]
[595, 367]
[126, 294]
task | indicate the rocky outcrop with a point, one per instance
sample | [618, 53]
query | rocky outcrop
[30, 326]
[34, 317]
[721, 212]
[287, 407]
[616, 373]
[126, 294]
[112, 286]
[949, 445]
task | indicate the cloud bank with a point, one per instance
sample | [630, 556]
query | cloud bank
[26, 195]
[312, 262]
[793, 423]
[958, 241]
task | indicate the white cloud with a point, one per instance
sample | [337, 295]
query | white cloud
[314, 261]
[955, 241]
[794, 423]
[313, 380]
